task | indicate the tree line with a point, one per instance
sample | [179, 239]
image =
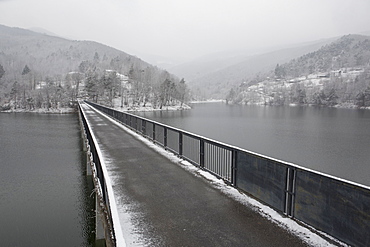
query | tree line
[136, 85]
[41, 71]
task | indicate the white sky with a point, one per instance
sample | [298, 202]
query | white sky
[190, 28]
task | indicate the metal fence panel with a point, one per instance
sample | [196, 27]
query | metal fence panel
[190, 149]
[149, 129]
[264, 179]
[218, 160]
[337, 208]
[173, 140]
[159, 134]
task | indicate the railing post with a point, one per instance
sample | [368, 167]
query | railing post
[165, 137]
[201, 152]
[290, 191]
[180, 143]
[143, 127]
[234, 163]
[153, 132]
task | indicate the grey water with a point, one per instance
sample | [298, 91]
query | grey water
[330, 140]
[44, 193]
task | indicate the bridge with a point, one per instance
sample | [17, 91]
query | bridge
[148, 197]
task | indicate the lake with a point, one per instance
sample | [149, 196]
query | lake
[44, 193]
[330, 140]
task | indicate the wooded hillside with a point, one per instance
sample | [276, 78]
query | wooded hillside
[336, 74]
[41, 71]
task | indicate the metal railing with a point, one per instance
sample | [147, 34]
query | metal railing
[99, 181]
[333, 205]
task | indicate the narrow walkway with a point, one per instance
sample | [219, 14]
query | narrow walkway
[162, 204]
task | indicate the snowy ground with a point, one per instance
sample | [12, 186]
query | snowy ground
[207, 101]
[310, 236]
[44, 110]
[147, 107]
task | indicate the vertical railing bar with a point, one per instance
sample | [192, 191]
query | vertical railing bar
[286, 191]
[222, 158]
[201, 152]
[212, 160]
[153, 132]
[165, 137]
[143, 127]
[212, 163]
[219, 161]
[207, 155]
[223, 164]
[231, 167]
[226, 164]
[293, 192]
[180, 143]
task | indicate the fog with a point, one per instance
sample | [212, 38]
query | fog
[188, 29]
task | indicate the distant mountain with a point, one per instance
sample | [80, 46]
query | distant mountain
[33, 61]
[349, 51]
[215, 74]
[43, 31]
[337, 74]
[51, 55]
[160, 61]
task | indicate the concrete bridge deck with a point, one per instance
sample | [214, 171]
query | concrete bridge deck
[162, 204]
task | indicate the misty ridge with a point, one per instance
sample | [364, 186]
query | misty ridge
[49, 72]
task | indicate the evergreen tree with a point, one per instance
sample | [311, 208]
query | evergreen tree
[26, 70]
[96, 57]
[84, 66]
[280, 71]
[332, 97]
[2, 71]
[231, 96]
[181, 89]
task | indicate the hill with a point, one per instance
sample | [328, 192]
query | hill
[337, 74]
[214, 74]
[43, 71]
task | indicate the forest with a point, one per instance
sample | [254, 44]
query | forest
[338, 74]
[47, 72]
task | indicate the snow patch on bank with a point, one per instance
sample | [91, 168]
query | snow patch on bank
[308, 236]
[62, 110]
[117, 105]
[207, 101]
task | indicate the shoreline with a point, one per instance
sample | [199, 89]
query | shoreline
[338, 106]
[43, 111]
[173, 108]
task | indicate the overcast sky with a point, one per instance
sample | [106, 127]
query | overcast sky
[190, 28]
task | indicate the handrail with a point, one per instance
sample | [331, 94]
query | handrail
[99, 181]
[330, 204]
